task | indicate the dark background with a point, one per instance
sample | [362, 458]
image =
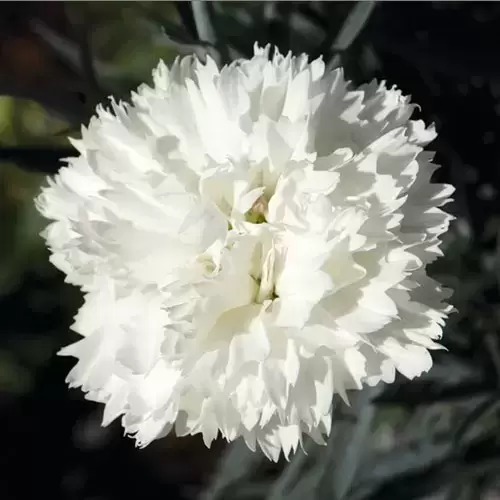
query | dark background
[57, 60]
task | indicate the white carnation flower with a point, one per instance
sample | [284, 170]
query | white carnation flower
[250, 241]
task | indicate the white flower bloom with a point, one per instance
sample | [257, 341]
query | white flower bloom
[250, 241]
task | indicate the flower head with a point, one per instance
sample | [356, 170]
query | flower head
[250, 241]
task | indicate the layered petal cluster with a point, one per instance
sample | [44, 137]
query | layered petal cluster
[250, 241]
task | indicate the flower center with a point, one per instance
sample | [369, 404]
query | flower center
[257, 214]
[265, 282]
[265, 291]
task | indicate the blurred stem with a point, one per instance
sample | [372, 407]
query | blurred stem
[352, 27]
[277, 18]
[291, 474]
[238, 462]
[202, 20]
[346, 443]
[202, 13]
[187, 18]
[183, 35]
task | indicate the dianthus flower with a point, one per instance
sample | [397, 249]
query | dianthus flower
[250, 241]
